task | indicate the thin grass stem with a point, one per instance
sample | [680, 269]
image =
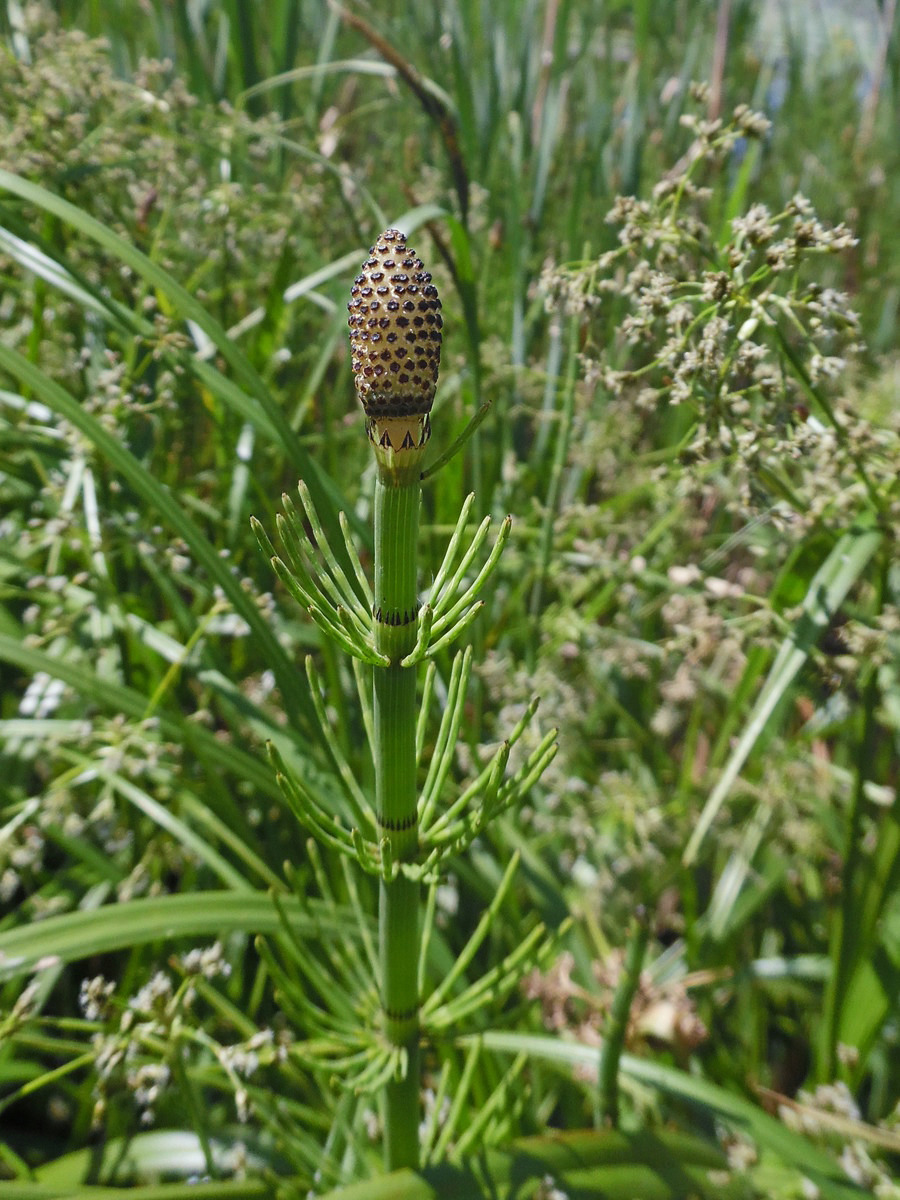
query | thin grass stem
[617, 1024]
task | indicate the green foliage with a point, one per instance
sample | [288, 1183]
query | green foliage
[705, 595]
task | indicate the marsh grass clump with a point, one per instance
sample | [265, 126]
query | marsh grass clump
[739, 324]
[720, 372]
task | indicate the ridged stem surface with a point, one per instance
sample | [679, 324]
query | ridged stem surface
[396, 538]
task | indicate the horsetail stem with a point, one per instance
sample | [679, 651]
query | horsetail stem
[395, 338]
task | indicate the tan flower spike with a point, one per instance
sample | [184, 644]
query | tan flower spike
[395, 344]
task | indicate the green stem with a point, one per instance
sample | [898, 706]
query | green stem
[560, 457]
[395, 718]
[617, 1025]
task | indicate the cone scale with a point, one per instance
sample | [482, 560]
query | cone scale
[395, 340]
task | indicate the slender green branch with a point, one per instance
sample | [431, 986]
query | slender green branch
[479, 784]
[367, 855]
[446, 739]
[454, 632]
[446, 826]
[427, 930]
[359, 573]
[362, 926]
[453, 546]
[324, 547]
[364, 691]
[353, 792]
[460, 1097]
[440, 602]
[426, 622]
[434, 1123]
[446, 618]
[504, 1097]
[425, 709]
[332, 580]
[308, 811]
[480, 933]
[494, 984]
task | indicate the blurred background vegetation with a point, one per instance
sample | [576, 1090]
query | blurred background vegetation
[252, 152]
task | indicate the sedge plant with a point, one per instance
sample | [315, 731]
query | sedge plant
[403, 835]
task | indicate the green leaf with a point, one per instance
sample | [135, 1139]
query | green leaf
[56, 272]
[589, 1164]
[162, 816]
[593, 1165]
[873, 993]
[78, 935]
[792, 1148]
[157, 1154]
[240, 1190]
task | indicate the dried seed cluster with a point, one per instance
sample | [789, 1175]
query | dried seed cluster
[395, 331]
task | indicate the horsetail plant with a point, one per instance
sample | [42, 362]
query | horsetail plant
[402, 836]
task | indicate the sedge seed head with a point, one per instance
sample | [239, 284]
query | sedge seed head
[395, 343]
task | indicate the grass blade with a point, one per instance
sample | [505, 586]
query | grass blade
[77, 935]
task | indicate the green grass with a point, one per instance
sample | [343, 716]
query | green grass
[713, 632]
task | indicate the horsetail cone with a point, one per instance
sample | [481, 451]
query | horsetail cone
[395, 343]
